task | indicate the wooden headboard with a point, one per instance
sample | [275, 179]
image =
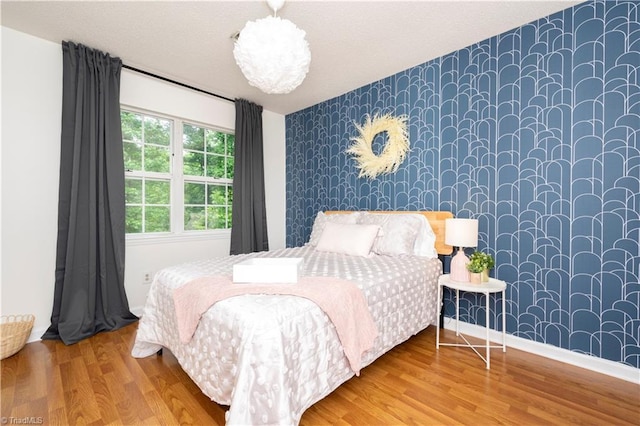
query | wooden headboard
[436, 220]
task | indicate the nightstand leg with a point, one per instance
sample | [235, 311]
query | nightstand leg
[504, 322]
[440, 291]
[457, 311]
[487, 325]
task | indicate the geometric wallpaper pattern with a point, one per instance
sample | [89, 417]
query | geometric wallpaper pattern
[536, 133]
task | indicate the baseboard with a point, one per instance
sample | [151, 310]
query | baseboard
[137, 311]
[36, 333]
[599, 365]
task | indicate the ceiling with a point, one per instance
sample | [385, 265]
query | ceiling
[353, 43]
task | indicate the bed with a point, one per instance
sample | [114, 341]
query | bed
[270, 357]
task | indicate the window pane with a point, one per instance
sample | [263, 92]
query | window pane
[230, 165]
[132, 156]
[215, 166]
[231, 142]
[193, 137]
[193, 163]
[157, 192]
[157, 131]
[230, 195]
[133, 219]
[216, 217]
[194, 218]
[133, 191]
[217, 194]
[156, 159]
[131, 126]
[157, 219]
[194, 193]
[215, 142]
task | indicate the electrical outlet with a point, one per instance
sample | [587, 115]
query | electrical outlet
[147, 277]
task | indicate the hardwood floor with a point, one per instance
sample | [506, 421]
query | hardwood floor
[97, 382]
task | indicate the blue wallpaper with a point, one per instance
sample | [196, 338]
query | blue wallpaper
[536, 133]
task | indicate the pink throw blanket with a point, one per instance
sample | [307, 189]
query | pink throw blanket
[341, 300]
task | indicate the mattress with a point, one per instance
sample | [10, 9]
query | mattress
[270, 357]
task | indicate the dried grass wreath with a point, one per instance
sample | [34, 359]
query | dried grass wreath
[394, 152]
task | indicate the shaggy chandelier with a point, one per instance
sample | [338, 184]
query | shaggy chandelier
[273, 53]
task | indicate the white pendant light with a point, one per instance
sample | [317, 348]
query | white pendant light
[273, 53]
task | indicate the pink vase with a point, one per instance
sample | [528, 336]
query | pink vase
[459, 271]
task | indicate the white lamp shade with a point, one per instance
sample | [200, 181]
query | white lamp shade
[461, 232]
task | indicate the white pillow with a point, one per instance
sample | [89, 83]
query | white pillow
[399, 232]
[402, 233]
[346, 238]
[322, 219]
[426, 240]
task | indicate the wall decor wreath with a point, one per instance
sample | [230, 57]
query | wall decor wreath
[394, 151]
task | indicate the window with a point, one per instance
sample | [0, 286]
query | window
[208, 177]
[171, 188]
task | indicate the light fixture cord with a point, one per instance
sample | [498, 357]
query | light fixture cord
[275, 5]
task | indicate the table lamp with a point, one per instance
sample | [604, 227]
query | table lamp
[460, 233]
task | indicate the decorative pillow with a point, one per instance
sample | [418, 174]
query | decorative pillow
[426, 240]
[322, 219]
[346, 238]
[399, 232]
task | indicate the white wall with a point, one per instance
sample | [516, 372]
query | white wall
[31, 115]
[30, 158]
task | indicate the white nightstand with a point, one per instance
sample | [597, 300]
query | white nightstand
[493, 286]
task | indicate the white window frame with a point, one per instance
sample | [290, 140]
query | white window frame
[176, 176]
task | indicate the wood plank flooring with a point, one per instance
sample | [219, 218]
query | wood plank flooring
[97, 382]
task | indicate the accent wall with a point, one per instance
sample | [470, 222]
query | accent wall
[534, 132]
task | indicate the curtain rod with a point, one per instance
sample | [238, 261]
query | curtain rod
[175, 82]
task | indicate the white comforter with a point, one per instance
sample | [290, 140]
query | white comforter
[271, 357]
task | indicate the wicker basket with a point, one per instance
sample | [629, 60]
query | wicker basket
[14, 332]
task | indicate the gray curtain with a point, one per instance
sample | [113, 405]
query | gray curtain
[89, 279]
[249, 216]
